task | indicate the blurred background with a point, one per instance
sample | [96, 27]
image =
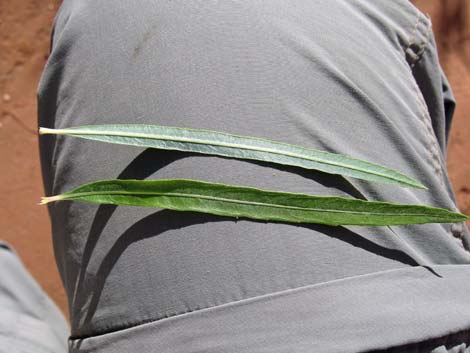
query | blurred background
[24, 45]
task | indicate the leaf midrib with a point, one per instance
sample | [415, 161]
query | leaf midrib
[251, 203]
[230, 145]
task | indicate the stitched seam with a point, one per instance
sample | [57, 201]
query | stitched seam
[433, 148]
[412, 37]
[433, 154]
[422, 47]
[417, 54]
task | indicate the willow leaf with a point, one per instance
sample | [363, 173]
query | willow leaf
[236, 201]
[235, 146]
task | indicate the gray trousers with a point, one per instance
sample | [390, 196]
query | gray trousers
[29, 320]
[358, 77]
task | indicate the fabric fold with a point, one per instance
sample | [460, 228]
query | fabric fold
[368, 312]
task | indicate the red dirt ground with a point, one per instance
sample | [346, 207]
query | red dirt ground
[24, 44]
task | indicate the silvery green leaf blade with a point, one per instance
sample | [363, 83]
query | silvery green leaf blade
[236, 201]
[235, 146]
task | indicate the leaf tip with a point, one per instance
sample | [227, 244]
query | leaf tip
[415, 184]
[462, 217]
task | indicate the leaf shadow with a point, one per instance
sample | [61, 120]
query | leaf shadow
[161, 221]
[151, 160]
[143, 166]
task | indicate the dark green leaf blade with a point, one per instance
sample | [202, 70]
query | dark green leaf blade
[235, 146]
[237, 201]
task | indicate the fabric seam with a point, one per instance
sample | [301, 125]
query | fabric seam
[255, 298]
[433, 148]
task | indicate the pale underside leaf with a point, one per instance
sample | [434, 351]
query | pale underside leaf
[235, 146]
[236, 201]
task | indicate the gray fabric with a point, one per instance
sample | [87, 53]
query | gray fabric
[29, 320]
[355, 314]
[354, 77]
[454, 343]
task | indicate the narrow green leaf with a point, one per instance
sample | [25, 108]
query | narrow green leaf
[236, 201]
[223, 144]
